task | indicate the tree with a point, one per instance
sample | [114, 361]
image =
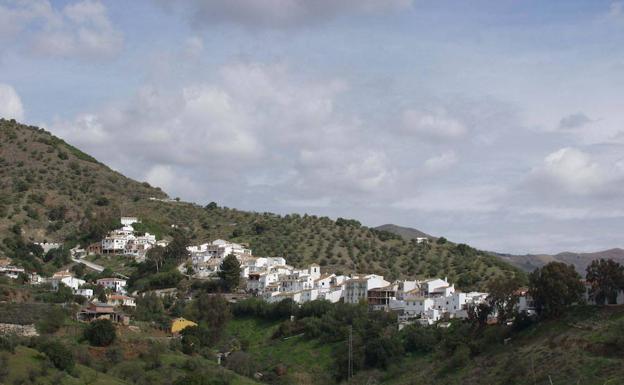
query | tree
[606, 278]
[503, 297]
[554, 287]
[156, 257]
[100, 332]
[211, 310]
[59, 256]
[211, 206]
[479, 314]
[230, 272]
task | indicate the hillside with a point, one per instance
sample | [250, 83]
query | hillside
[405, 232]
[55, 192]
[580, 261]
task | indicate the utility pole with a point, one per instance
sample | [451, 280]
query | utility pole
[350, 369]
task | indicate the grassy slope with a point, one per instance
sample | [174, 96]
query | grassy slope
[569, 351]
[27, 360]
[40, 173]
[306, 362]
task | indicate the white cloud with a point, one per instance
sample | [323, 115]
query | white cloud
[10, 103]
[80, 29]
[570, 170]
[441, 162]
[256, 120]
[280, 13]
[434, 125]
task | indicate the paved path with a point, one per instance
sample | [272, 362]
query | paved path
[90, 265]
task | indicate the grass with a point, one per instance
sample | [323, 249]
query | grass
[306, 361]
[117, 263]
[27, 363]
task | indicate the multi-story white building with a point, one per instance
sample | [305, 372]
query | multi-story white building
[356, 288]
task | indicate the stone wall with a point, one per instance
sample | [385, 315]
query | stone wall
[20, 330]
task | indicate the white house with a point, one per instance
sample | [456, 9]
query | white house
[66, 278]
[88, 293]
[120, 300]
[129, 221]
[117, 285]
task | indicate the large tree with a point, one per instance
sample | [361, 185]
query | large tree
[230, 272]
[156, 257]
[503, 297]
[555, 287]
[606, 279]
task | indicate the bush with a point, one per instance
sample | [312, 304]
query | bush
[60, 356]
[460, 358]
[419, 339]
[241, 363]
[100, 333]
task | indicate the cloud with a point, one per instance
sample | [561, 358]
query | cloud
[279, 13]
[574, 121]
[441, 162]
[570, 170]
[81, 29]
[256, 125]
[432, 125]
[10, 103]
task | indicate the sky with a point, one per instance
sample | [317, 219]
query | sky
[495, 123]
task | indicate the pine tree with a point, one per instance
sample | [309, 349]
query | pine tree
[230, 272]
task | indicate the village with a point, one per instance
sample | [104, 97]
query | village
[427, 302]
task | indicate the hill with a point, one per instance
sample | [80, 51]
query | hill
[580, 261]
[52, 191]
[405, 232]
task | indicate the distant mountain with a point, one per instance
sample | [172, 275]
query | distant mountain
[580, 261]
[405, 232]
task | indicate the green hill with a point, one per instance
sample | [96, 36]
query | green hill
[55, 192]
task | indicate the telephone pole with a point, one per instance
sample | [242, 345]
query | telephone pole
[350, 369]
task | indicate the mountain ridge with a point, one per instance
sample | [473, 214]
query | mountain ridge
[529, 262]
[408, 233]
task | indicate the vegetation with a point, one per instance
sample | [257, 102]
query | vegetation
[606, 278]
[554, 287]
[230, 273]
[100, 332]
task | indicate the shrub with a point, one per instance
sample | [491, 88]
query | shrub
[419, 339]
[100, 333]
[60, 356]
